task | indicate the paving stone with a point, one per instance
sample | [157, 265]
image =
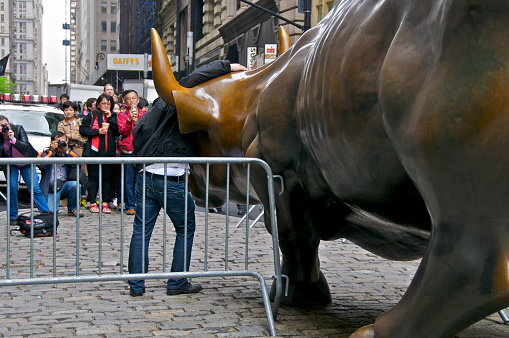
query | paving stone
[362, 287]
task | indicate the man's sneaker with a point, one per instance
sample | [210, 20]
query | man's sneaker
[130, 212]
[189, 288]
[73, 213]
[136, 293]
[13, 221]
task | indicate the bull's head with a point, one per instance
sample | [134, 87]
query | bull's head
[217, 113]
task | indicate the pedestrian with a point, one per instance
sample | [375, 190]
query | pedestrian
[14, 143]
[89, 106]
[63, 98]
[126, 122]
[65, 175]
[157, 127]
[100, 126]
[70, 126]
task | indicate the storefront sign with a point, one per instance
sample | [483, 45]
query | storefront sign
[128, 62]
[251, 54]
[270, 52]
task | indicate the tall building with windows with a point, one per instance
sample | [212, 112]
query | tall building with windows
[5, 40]
[96, 36]
[22, 22]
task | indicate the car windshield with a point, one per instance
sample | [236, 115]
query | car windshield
[33, 121]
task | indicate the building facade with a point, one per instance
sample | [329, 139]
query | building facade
[97, 34]
[229, 29]
[21, 38]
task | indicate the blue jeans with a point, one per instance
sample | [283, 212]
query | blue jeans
[13, 183]
[175, 209]
[130, 183]
[68, 190]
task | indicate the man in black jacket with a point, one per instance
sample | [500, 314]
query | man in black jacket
[156, 135]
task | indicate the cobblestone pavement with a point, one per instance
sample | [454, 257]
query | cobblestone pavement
[362, 285]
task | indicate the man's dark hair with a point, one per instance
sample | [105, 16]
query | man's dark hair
[72, 104]
[3, 117]
[143, 103]
[57, 134]
[64, 95]
[90, 102]
[127, 91]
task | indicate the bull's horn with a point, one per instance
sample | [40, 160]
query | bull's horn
[284, 40]
[164, 80]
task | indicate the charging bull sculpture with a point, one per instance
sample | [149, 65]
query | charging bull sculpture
[389, 123]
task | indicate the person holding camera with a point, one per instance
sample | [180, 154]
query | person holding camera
[65, 175]
[126, 122]
[14, 143]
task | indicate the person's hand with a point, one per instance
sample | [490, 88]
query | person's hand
[69, 136]
[10, 134]
[107, 115]
[53, 145]
[133, 116]
[237, 67]
[103, 131]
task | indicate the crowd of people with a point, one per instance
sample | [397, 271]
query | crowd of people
[118, 126]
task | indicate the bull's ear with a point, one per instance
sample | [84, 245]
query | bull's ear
[194, 112]
[164, 80]
[284, 40]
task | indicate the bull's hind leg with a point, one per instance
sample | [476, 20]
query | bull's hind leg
[462, 279]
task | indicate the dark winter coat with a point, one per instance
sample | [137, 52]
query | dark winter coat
[87, 131]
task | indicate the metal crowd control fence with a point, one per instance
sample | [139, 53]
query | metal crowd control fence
[79, 276]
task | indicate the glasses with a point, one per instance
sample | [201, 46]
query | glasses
[105, 103]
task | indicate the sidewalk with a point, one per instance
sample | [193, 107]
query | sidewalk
[362, 285]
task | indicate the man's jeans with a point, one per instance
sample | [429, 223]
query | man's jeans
[38, 195]
[130, 183]
[68, 190]
[175, 209]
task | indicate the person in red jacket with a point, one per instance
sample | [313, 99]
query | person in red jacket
[126, 121]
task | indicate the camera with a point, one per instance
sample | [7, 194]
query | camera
[62, 144]
[5, 128]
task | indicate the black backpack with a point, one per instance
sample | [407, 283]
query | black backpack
[43, 224]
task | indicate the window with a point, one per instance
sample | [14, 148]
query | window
[104, 7]
[2, 6]
[113, 45]
[2, 18]
[103, 26]
[113, 8]
[3, 41]
[104, 45]
[113, 27]
[22, 48]
[2, 29]
[22, 68]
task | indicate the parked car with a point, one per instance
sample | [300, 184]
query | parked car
[39, 121]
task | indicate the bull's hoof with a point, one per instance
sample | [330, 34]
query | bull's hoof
[364, 332]
[304, 294]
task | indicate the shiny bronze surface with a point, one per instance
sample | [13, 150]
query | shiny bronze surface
[388, 122]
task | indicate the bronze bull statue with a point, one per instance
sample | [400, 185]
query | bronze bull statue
[389, 123]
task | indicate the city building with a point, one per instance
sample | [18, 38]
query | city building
[196, 32]
[21, 38]
[97, 26]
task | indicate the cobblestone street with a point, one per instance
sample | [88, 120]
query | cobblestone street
[362, 285]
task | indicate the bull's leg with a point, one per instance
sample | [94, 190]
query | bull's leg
[462, 279]
[298, 241]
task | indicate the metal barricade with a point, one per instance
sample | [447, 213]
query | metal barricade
[81, 275]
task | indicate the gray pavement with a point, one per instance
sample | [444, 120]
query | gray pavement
[362, 285]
